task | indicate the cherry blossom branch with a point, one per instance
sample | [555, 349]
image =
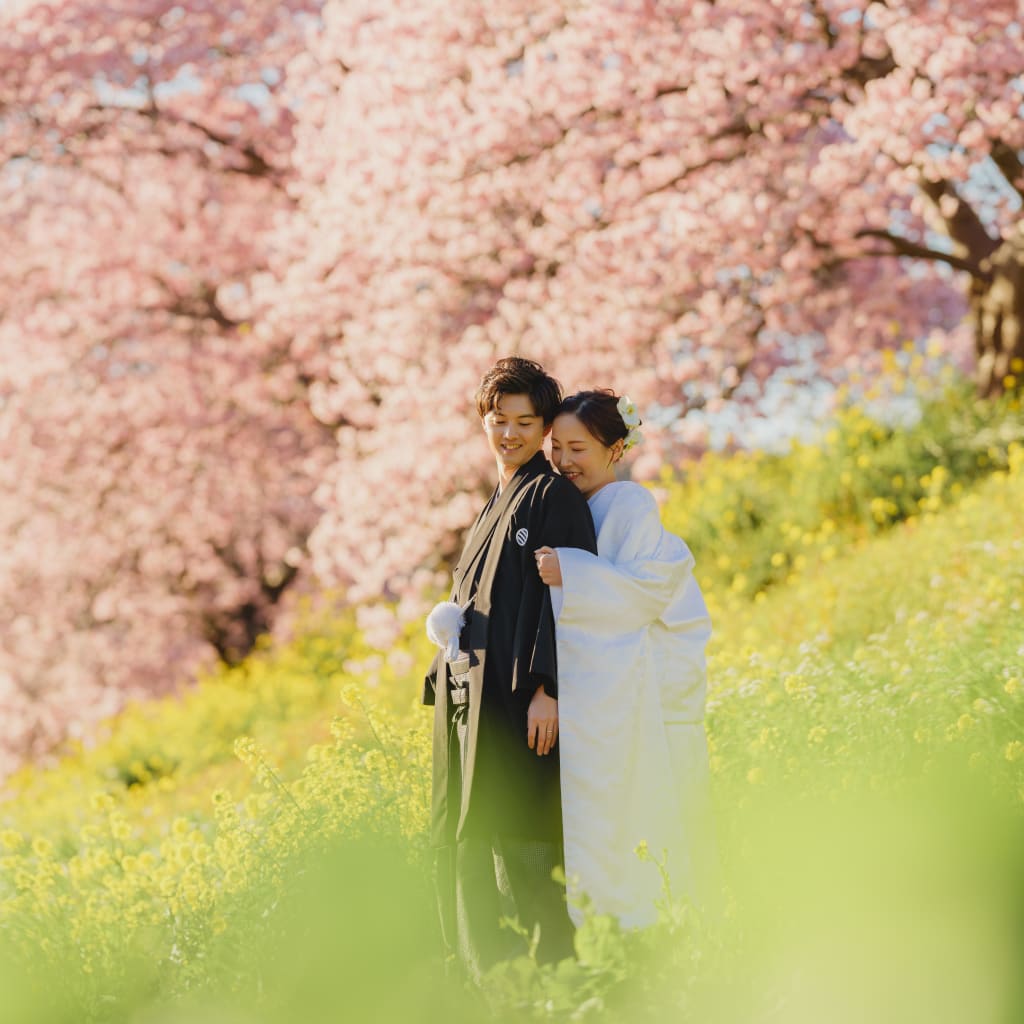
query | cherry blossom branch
[906, 247]
[963, 225]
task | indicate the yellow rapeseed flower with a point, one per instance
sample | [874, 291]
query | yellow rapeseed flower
[119, 828]
[1014, 750]
[1012, 686]
[42, 847]
[11, 840]
[351, 695]
[245, 750]
[795, 684]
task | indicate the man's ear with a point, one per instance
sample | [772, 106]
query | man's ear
[547, 430]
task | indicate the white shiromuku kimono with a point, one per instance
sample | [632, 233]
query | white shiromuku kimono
[631, 629]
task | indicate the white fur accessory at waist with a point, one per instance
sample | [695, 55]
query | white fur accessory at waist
[444, 627]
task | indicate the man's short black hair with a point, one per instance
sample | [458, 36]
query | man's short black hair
[516, 376]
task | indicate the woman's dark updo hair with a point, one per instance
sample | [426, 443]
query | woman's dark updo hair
[598, 411]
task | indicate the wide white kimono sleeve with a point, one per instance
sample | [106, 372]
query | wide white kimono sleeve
[642, 579]
[636, 575]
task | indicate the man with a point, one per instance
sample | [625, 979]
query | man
[496, 816]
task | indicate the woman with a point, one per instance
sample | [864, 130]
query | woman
[631, 629]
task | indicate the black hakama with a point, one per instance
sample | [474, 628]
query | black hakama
[496, 810]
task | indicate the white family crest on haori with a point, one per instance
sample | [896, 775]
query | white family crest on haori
[631, 628]
[444, 627]
[522, 535]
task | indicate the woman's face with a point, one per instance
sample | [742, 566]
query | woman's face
[579, 456]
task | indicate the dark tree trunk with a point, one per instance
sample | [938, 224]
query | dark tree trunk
[233, 632]
[995, 266]
[997, 307]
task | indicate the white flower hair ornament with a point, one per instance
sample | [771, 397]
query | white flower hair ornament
[631, 418]
[444, 625]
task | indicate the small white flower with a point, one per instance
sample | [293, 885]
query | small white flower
[628, 412]
[633, 438]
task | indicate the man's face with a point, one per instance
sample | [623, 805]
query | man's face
[515, 433]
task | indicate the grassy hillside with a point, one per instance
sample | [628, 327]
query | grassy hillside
[256, 846]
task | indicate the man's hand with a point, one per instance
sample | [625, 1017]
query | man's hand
[542, 722]
[548, 566]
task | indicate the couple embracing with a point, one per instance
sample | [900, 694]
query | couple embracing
[568, 687]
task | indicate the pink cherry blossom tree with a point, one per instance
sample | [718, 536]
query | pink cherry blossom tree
[157, 455]
[257, 256]
[655, 196]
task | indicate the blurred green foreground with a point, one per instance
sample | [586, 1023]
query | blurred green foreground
[253, 851]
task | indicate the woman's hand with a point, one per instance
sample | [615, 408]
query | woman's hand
[548, 566]
[542, 722]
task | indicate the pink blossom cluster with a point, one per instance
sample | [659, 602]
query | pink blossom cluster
[157, 456]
